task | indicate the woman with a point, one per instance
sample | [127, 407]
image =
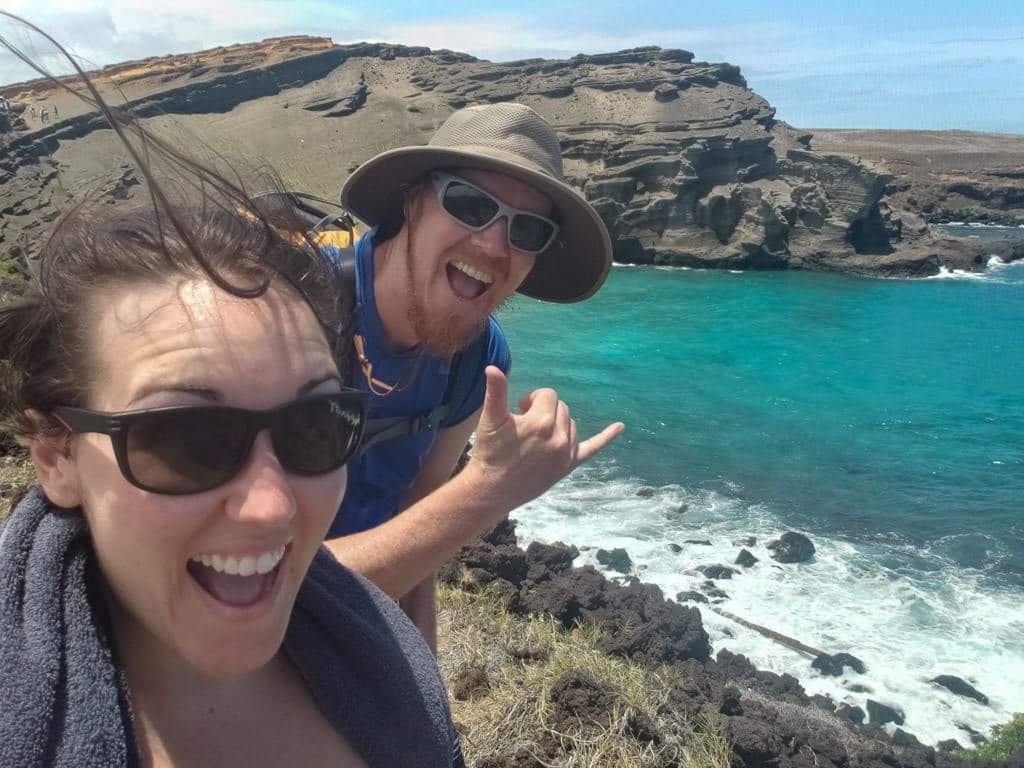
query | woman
[164, 596]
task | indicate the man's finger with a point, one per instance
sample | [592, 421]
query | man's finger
[526, 401]
[562, 418]
[495, 407]
[545, 397]
[590, 448]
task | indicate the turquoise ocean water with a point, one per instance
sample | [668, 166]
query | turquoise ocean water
[883, 418]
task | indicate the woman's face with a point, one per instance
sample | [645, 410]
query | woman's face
[166, 558]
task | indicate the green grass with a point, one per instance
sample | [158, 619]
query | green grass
[11, 269]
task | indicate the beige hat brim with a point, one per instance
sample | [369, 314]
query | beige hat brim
[572, 269]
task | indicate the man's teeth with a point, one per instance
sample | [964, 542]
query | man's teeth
[476, 274]
[242, 566]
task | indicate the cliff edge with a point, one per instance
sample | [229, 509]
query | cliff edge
[686, 165]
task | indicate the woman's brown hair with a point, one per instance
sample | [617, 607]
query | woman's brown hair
[196, 222]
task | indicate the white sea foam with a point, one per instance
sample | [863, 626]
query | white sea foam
[959, 274]
[908, 624]
[994, 227]
[996, 271]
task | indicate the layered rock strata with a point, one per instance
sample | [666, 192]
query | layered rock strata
[686, 165]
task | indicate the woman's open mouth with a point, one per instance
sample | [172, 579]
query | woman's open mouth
[238, 582]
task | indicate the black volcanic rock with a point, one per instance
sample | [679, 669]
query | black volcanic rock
[850, 713]
[949, 745]
[617, 559]
[960, 687]
[637, 621]
[791, 547]
[745, 558]
[880, 714]
[717, 571]
[578, 699]
[690, 597]
[557, 557]
[768, 719]
[833, 664]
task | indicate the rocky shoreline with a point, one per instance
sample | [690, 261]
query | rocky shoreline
[768, 719]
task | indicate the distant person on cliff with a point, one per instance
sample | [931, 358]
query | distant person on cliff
[480, 212]
[165, 595]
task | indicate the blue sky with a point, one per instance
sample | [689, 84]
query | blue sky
[866, 64]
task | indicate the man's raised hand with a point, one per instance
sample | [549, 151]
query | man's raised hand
[519, 456]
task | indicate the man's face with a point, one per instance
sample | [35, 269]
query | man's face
[457, 276]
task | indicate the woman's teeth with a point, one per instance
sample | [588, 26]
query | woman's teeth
[476, 274]
[242, 566]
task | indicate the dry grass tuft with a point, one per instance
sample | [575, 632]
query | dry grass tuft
[504, 675]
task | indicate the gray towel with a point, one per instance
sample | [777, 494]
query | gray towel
[370, 670]
[63, 700]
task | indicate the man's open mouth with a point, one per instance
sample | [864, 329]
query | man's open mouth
[467, 282]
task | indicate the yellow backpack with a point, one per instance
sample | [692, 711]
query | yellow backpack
[326, 222]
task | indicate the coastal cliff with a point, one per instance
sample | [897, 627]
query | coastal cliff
[686, 165]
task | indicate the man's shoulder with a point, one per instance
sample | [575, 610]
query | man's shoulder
[496, 345]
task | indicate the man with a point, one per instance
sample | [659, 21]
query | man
[459, 225]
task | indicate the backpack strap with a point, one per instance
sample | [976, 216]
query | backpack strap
[345, 260]
[442, 415]
[379, 430]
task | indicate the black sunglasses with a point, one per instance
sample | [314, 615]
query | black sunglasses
[477, 209]
[193, 448]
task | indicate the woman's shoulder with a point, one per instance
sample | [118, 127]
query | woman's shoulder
[369, 668]
[337, 594]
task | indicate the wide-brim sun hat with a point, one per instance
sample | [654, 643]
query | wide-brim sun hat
[511, 139]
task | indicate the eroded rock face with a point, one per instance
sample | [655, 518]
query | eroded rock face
[943, 176]
[685, 164]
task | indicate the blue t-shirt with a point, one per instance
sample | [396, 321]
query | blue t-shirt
[380, 477]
